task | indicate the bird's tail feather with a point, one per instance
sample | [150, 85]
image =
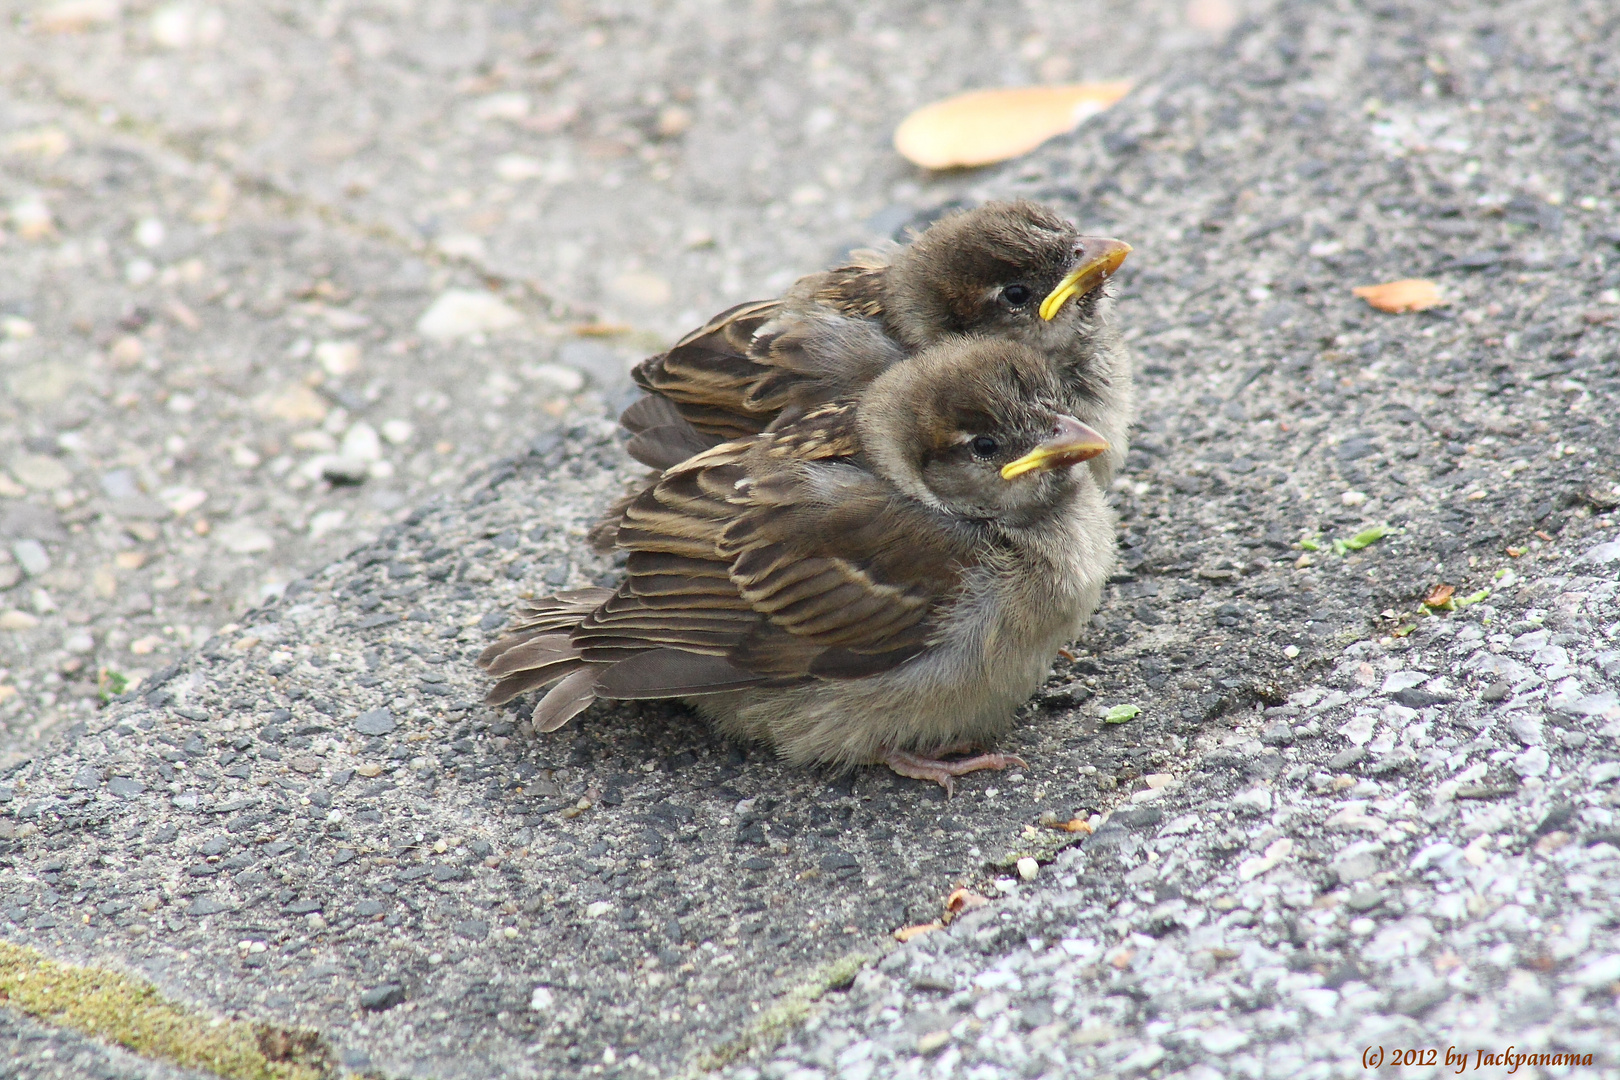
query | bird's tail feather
[547, 616]
[532, 678]
[570, 697]
[525, 653]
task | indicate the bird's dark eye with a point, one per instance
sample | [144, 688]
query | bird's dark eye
[984, 446]
[1017, 295]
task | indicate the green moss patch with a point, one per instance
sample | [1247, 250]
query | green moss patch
[788, 1012]
[131, 1013]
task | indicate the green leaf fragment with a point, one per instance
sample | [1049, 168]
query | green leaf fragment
[1121, 714]
[1365, 537]
[1310, 545]
[114, 684]
[1465, 601]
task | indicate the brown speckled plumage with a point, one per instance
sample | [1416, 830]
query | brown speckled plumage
[766, 362]
[857, 583]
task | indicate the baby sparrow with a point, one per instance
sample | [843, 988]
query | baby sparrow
[1009, 270]
[882, 578]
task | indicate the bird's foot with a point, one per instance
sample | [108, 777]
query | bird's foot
[944, 773]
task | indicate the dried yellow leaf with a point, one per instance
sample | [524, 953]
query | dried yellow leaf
[906, 933]
[1408, 294]
[985, 126]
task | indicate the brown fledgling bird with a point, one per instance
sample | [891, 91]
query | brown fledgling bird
[1015, 271]
[882, 578]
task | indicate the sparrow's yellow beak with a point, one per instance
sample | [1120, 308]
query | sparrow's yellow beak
[1071, 443]
[1099, 258]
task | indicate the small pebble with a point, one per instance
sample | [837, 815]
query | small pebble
[461, 313]
[150, 233]
[240, 538]
[40, 472]
[31, 556]
[17, 620]
[375, 722]
[360, 443]
[338, 358]
[641, 290]
[336, 469]
[398, 432]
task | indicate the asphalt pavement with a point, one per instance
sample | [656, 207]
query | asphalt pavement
[1342, 820]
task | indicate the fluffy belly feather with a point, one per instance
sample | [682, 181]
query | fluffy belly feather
[993, 653]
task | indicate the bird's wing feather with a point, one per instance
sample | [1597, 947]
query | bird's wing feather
[707, 373]
[660, 673]
[774, 559]
[666, 445]
[649, 412]
[761, 362]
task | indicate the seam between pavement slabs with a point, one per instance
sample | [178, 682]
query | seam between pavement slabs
[155, 135]
[793, 1007]
[129, 1012]
[788, 1011]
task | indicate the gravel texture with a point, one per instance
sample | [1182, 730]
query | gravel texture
[1275, 910]
[1337, 821]
[34, 1051]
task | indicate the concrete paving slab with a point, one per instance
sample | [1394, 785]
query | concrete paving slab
[208, 390]
[621, 161]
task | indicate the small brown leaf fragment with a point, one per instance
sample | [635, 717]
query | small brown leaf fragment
[985, 126]
[906, 933]
[1438, 595]
[964, 900]
[1541, 961]
[1408, 294]
[183, 315]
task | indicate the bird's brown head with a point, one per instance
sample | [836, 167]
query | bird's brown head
[1007, 269]
[972, 426]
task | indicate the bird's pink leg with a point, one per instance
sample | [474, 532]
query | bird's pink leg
[944, 773]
